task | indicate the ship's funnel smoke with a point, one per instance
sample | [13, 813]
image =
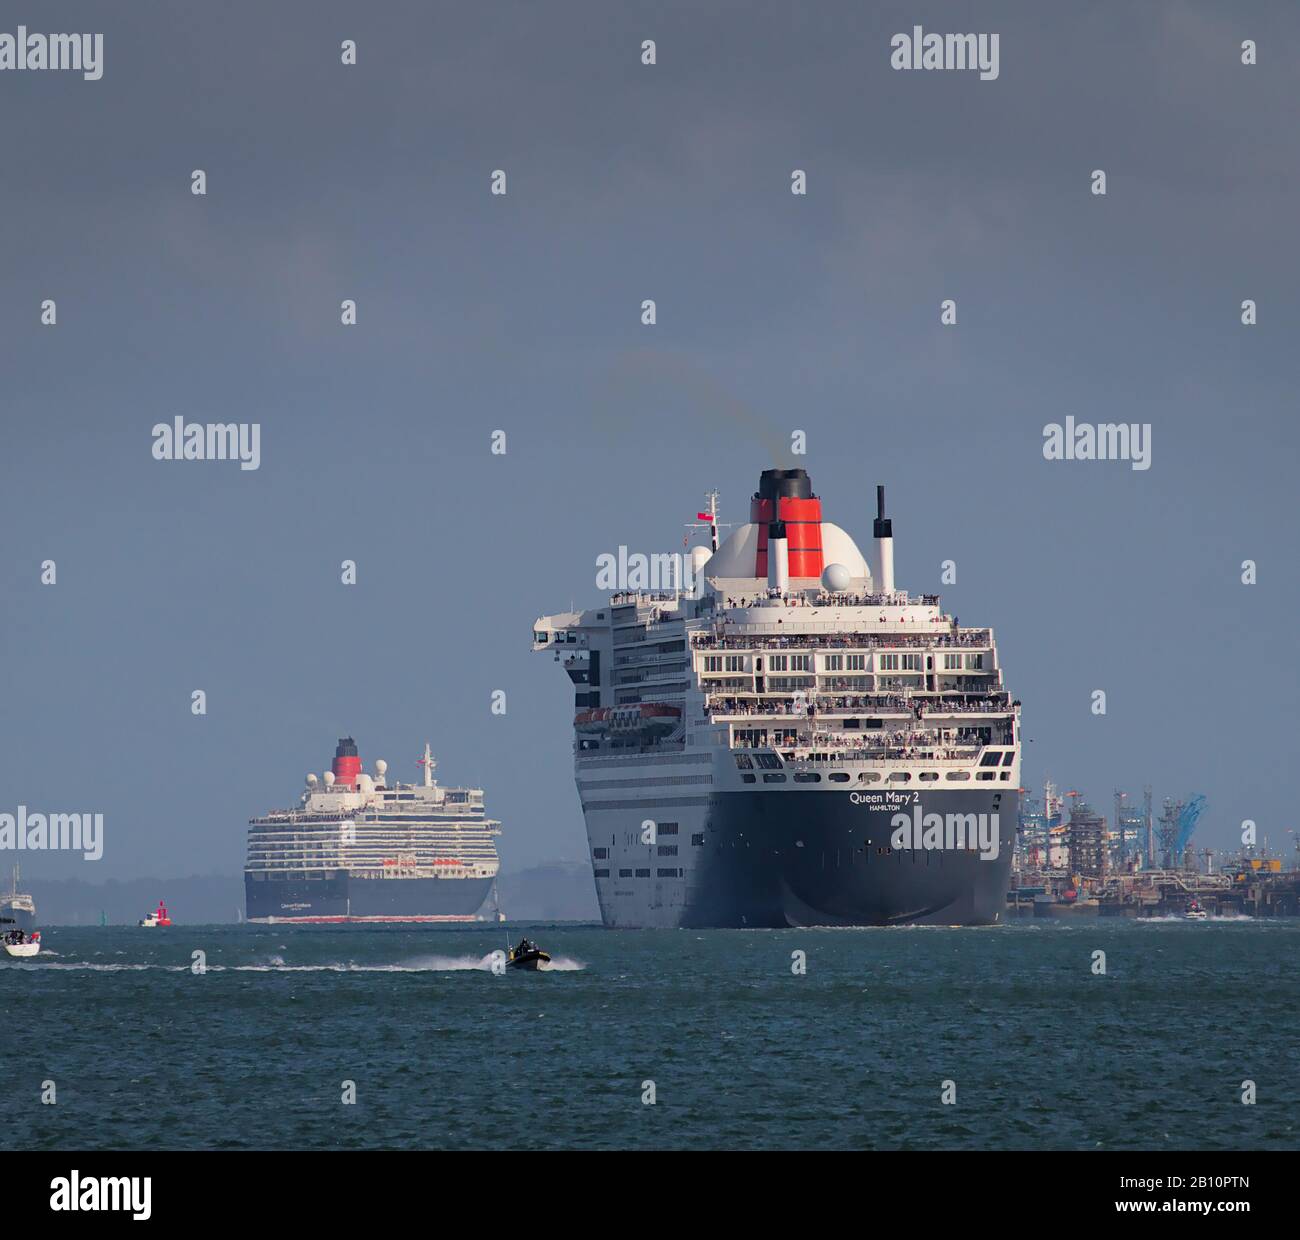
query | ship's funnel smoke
[650, 383]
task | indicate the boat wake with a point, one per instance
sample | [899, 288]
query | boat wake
[563, 964]
[1180, 917]
[449, 964]
[276, 964]
[455, 964]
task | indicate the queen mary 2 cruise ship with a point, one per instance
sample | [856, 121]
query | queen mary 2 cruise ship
[789, 739]
[360, 847]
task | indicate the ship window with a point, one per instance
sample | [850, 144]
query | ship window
[773, 779]
[643, 873]
[667, 828]
[670, 873]
[928, 777]
[750, 779]
[540, 637]
[1005, 775]
[698, 839]
[986, 775]
[990, 759]
[838, 777]
[667, 850]
[807, 777]
[1009, 757]
[768, 761]
[599, 854]
[869, 777]
[743, 761]
[901, 777]
[601, 873]
[625, 873]
[956, 775]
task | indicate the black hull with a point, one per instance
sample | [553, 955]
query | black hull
[846, 873]
[819, 858]
[341, 898]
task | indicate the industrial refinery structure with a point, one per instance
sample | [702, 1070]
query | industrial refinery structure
[1072, 861]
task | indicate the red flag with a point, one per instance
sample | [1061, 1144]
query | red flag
[703, 516]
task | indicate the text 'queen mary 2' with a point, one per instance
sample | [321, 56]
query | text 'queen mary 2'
[362, 848]
[789, 740]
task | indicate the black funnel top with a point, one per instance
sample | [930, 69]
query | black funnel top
[883, 527]
[786, 483]
[347, 748]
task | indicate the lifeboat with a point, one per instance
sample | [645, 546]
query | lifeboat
[647, 718]
[592, 720]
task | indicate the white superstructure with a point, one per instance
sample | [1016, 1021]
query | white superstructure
[785, 671]
[361, 847]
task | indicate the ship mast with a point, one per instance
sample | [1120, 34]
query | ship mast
[708, 518]
[712, 497]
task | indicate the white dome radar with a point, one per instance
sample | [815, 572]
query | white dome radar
[836, 578]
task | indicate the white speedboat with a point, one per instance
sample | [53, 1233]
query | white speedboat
[16, 943]
[1196, 913]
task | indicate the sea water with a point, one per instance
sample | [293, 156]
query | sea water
[391, 1037]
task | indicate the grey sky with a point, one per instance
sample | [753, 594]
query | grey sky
[775, 313]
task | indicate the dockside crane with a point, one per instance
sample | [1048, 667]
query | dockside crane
[1187, 819]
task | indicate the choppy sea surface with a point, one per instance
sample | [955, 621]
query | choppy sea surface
[742, 1050]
